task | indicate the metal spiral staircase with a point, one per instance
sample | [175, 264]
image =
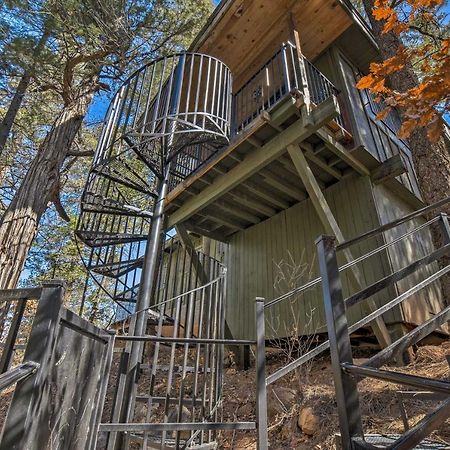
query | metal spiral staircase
[165, 121]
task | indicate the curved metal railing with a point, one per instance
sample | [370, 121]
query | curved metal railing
[174, 110]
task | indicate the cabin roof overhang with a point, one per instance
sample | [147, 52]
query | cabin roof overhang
[242, 32]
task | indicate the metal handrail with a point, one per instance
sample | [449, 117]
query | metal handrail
[349, 264]
[346, 375]
[367, 292]
[394, 223]
[18, 373]
[356, 326]
[276, 79]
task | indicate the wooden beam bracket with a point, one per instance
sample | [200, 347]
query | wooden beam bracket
[391, 168]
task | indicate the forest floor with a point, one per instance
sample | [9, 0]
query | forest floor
[312, 389]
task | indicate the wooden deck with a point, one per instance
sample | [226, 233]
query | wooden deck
[254, 178]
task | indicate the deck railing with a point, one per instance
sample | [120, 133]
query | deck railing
[279, 76]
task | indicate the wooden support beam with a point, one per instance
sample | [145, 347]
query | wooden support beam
[223, 219]
[235, 157]
[204, 232]
[287, 162]
[240, 213]
[253, 140]
[339, 150]
[240, 197]
[391, 168]
[283, 186]
[285, 110]
[260, 189]
[249, 201]
[188, 245]
[256, 160]
[331, 227]
[320, 162]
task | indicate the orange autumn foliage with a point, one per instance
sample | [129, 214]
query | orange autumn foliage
[425, 104]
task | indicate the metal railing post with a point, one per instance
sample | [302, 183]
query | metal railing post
[445, 228]
[285, 68]
[8, 349]
[261, 391]
[345, 385]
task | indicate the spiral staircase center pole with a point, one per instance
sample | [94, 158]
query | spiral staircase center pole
[138, 326]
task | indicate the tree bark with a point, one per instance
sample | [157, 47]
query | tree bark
[431, 160]
[19, 224]
[16, 102]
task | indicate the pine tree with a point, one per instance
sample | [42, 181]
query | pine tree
[398, 80]
[94, 44]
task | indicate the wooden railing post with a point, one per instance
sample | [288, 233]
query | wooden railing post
[341, 352]
[261, 391]
[303, 78]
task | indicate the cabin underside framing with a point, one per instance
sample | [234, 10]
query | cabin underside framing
[254, 178]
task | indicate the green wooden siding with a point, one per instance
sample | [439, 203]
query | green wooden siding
[288, 238]
[422, 305]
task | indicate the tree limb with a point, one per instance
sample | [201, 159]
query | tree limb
[81, 153]
[56, 200]
[69, 70]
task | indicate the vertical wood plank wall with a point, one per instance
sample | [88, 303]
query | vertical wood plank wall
[286, 240]
[373, 134]
[422, 305]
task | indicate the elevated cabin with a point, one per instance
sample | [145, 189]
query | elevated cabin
[258, 139]
[291, 142]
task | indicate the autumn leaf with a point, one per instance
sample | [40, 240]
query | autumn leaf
[383, 114]
[366, 82]
[382, 13]
[434, 130]
[406, 128]
[424, 104]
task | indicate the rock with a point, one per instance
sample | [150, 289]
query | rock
[308, 421]
[142, 414]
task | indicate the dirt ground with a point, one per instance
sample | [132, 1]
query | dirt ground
[313, 388]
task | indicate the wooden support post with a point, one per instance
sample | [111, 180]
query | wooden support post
[241, 352]
[305, 109]
[188, 245]
[331, 227]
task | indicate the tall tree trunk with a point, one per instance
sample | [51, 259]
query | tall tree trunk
[431, 160]
[16, 102]
[19, 224]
